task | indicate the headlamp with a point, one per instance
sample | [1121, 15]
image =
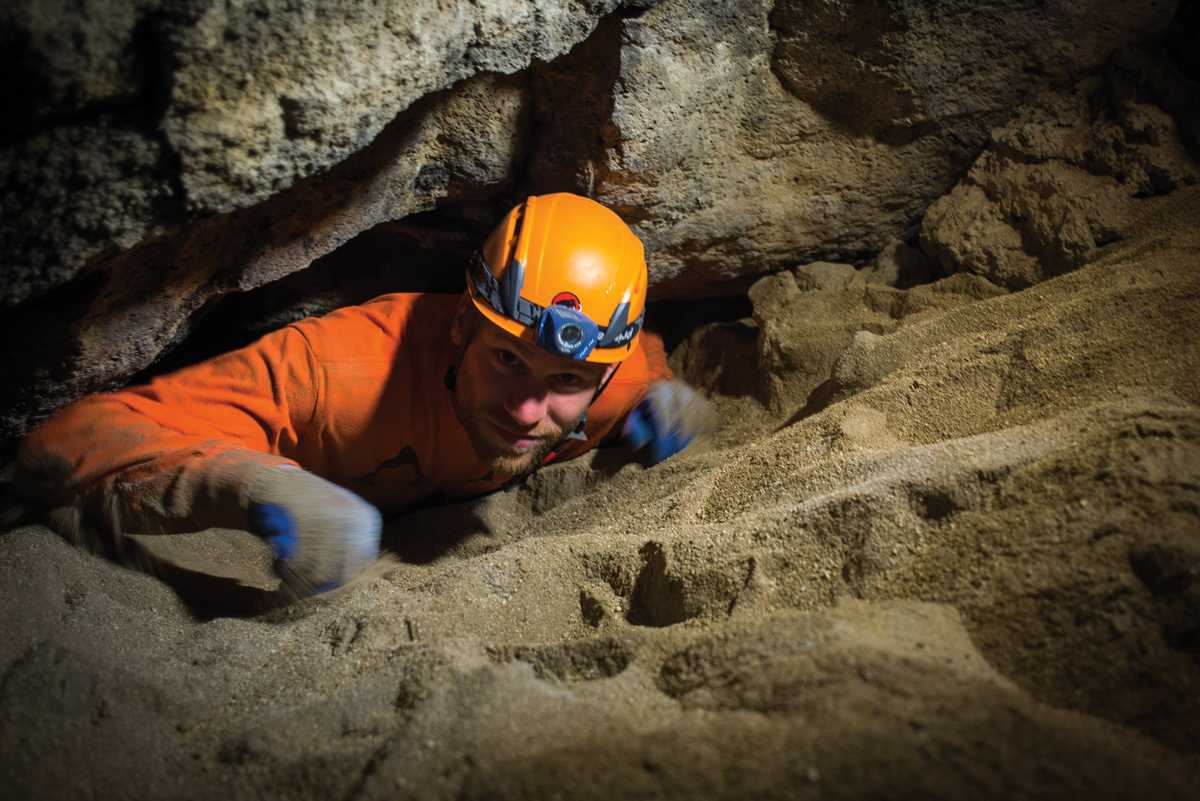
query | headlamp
[566, 332]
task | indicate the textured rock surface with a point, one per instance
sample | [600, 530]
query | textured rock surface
[268, 93]
[75, 194]
[755, 135]
[972, 575]
[1060, 179]
[233, 103]
[238, 102]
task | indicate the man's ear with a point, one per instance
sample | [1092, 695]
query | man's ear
[458, 327]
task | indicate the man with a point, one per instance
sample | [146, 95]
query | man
[303, 436]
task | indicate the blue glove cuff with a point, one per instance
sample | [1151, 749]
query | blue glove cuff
[643, 429]
[639, 428]
[275, 524]
[668, 444]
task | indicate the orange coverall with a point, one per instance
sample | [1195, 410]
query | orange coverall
[357, 397]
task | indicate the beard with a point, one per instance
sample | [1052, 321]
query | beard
[501, 457]
[506, 459]
[518, 463]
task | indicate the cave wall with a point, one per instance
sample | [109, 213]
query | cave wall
[168, 155]
[140, 116]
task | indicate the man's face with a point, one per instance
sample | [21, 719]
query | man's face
[516, 400]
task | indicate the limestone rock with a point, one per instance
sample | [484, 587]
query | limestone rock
[755, 135]
[72, 56]
[241, 100]
[899, 265]
[1057, 182]
[91, 191]
[802, 330]
[264, 95]
[720, 357]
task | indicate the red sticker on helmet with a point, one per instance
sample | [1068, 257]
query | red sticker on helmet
[569, 299]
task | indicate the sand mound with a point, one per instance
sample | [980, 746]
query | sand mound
[965, 566]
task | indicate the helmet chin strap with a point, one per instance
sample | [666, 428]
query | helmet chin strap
[578, 434]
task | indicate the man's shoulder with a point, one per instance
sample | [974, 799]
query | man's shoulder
[647, 364]
[398, 311]
[381, 324]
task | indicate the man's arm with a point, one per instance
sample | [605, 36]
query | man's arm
[212, 445]
[169, 456]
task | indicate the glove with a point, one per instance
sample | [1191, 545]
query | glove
[322, 534]
[667, 419]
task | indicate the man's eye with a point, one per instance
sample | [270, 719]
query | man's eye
[568, 380]
[507, 358]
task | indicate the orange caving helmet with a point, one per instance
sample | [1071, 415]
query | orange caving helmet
[567, 273]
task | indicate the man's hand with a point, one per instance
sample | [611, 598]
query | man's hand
[322, 534]
[667, 419]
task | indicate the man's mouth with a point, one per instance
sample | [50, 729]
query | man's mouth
[516, 439]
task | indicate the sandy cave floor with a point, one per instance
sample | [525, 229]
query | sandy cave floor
[975, 573]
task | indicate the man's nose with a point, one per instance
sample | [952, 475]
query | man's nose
[528, 405]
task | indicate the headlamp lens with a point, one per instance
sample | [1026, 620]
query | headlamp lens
[569, 337]
[566, 332]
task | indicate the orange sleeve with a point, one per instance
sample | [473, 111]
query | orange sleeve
[165, 456]
[655, 357]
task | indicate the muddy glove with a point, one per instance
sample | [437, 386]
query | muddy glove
[665, 421]
[322, 534]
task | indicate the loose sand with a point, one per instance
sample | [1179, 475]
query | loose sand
[967, 565]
